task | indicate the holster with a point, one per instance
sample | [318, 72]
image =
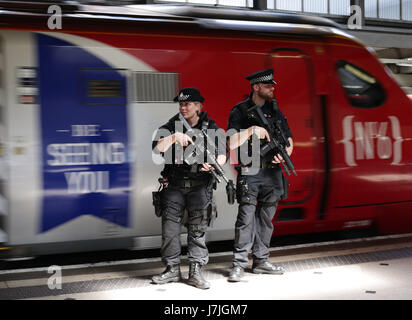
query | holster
[156, 195]
[245, 195]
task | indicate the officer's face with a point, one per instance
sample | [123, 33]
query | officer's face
[189, 109]
[265, 91]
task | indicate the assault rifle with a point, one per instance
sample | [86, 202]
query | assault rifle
[278, 141]
[211, 159]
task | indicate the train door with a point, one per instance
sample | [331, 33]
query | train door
[3, 169]
[294, 92]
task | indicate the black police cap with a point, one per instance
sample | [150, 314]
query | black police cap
[189, 94]
[263, 76]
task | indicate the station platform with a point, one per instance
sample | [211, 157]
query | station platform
[376, 268]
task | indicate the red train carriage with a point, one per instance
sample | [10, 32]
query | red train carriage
[80, 105]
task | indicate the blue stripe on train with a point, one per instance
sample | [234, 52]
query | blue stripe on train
[84, 136]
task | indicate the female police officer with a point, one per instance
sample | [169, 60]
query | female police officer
[189, 187]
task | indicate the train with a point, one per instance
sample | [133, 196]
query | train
[83, 90]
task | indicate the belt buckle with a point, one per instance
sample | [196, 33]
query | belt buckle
[187, 183]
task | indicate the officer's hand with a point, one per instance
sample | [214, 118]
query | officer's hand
[260, 132]
[182, 139]
[277, 159]
[289, 149]
[207, 167]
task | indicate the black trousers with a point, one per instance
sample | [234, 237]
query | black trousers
[258, 196]
[175, 200]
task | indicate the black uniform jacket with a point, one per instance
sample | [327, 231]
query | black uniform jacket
[239, 121]
[183, 169]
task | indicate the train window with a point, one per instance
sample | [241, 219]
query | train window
[103, 86]
[155, 86]
[361, 88]
[26, 85]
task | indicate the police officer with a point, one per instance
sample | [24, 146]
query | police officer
[258, 190]
[189, 187]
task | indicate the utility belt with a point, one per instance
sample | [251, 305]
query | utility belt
[184, 179]
[263, 165]
[187, 183]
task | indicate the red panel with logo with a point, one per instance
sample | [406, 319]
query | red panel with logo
[369, 153]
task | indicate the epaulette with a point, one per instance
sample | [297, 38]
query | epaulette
[242, 106]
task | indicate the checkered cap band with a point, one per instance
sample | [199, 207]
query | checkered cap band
[183, 97]
[267, 77]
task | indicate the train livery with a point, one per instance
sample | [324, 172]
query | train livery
[80, 106]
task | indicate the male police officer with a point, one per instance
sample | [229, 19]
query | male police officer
[258, 190]
[187, 189]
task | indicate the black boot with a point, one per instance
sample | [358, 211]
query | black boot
[195, 276]
[236, 274]
[267, 267]
[171, 274]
